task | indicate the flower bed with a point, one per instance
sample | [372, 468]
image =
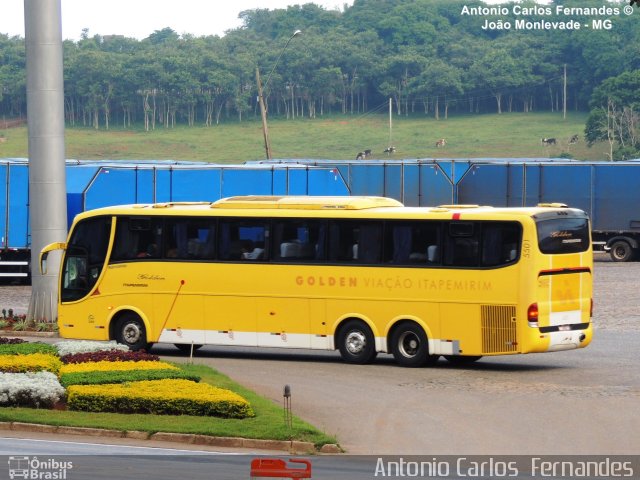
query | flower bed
[34, 362]
[33, 389]
[107, 377]
[98, 378]
[105, 366]
[161, 397]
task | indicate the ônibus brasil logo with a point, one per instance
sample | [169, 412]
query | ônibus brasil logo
[35, 469]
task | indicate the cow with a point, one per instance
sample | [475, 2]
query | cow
[574, 139]
[548, 141]
[390, 150]
[441, 143]
[363, 155]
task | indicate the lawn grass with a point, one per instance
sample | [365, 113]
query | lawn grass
[510, 135]
[268, 424]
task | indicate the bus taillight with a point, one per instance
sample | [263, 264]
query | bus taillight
[532, 315]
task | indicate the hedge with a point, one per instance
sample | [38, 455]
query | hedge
[161, 397]
[27, 348]
[34, 362]
[122, 376]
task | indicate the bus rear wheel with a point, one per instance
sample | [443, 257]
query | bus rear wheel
[131, 332]
[357, 343]
[410, 347]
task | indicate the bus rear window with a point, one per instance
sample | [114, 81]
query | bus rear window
[563, 235]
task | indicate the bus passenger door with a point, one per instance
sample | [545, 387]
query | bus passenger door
[283, 322]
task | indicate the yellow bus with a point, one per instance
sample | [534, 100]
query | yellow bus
[358, 274]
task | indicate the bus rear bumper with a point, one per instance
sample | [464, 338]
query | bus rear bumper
[569, 340]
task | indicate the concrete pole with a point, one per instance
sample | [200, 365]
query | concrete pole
[45, 117]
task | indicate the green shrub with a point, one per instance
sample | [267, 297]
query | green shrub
[27, 348]
[160, 397]
[119, 376]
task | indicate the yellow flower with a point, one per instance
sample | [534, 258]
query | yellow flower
[104, 366]
[168, 396]
[34, 362]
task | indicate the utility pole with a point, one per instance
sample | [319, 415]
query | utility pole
[263, 108]
[45, 117]
[263, 113]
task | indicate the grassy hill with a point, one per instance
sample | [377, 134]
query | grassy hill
[335, 137]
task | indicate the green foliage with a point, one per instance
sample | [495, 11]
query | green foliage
[98, 378]
[347, 62]
[27, 348]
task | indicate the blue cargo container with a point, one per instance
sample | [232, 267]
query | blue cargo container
[608, 192]
[93, 185]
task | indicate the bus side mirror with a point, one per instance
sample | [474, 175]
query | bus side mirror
[44, 253]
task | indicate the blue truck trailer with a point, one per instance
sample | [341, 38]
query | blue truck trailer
[93, 185]
[608, 191]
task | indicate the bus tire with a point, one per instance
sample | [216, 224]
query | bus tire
[186, 347]
[356, 343]
[410, 346]
[621, 251]
[462, 360]
[130, 331]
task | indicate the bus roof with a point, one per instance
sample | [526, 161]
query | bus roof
[241, 205]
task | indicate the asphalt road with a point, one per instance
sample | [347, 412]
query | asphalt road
[575, 402]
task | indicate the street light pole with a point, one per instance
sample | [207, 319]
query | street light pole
[263, 109]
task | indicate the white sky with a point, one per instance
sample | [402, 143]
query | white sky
[139, 18]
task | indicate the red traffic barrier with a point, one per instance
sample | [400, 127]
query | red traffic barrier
[275, 467]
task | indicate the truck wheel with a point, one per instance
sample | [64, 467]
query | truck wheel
[621, 251]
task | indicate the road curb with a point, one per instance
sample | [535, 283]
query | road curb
[292, 447]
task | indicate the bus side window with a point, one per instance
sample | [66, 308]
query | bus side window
[500, 242]
[243, 240]
[137, 238]
[355, 242]
[461, 244]
[414, 243]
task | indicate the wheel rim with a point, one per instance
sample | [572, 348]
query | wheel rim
[131, 333]
[409, 344]
[620, 252]
[355, 342]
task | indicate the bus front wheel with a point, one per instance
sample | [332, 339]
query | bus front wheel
[131, 332]
[357, 343]
[410, 347]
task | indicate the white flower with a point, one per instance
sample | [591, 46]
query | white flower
[69, 347]
[33, 389]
